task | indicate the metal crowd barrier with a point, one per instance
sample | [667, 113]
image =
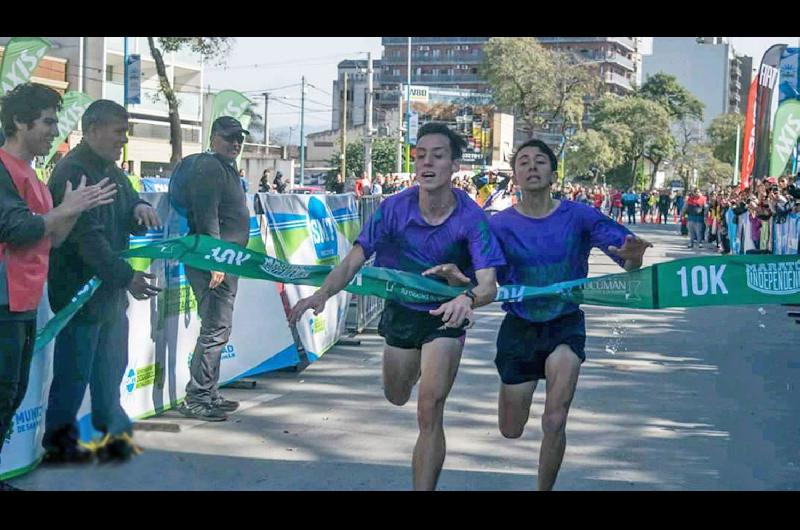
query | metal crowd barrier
[365, 310]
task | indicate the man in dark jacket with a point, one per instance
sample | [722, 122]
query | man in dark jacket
[279, 184]
[217, 207]
[93, 348]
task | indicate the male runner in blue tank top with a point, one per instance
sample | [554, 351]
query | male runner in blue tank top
[545, 241]
[412, 231]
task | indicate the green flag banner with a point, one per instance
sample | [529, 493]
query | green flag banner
[233, 104]
[73, 106]
[690, 282]
[785, 135]
[20, 58]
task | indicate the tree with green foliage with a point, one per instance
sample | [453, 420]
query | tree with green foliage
[665, 90]
[209, 48]
[541, 86]
[688, 149]
[711, 170]
[384, 158]
[591, 153]
[643, 122]
[722, 137]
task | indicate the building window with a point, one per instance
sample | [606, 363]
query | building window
[110, 72]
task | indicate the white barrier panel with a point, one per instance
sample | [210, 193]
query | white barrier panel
[313, 230]
[23, 444]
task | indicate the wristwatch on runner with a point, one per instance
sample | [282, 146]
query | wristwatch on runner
[471, 295]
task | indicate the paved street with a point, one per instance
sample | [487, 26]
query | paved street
[680, 399]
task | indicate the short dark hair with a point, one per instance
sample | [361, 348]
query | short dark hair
[457, 143]
[543, 147]
[102, 112]
[25, 103]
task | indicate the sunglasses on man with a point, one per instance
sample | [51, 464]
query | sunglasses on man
[233, 137]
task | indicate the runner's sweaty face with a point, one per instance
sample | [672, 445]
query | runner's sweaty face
[434, 163]
[532, 170]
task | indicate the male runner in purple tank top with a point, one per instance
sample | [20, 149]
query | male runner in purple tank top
[412, 231]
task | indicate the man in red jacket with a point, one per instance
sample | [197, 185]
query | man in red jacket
[29, 226]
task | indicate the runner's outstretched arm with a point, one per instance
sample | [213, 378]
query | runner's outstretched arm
[335, 282]
[632, 252]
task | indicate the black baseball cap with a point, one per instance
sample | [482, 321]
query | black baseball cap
[226, 125]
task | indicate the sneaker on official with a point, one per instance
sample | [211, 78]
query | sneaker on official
[64, 448]
[202, 411]
[225, 405]
[119, 448]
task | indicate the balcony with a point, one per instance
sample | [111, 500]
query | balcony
[614, 58]
[417, 41]
[432, 79]
[616, 79]
[625, 41]
[418, 58]
[189, 108]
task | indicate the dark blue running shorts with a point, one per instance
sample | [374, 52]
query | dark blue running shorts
[523, 346]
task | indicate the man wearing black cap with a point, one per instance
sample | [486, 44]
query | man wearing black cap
[217, 208]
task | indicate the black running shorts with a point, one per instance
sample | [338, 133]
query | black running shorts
[409, 329]
[523, 346]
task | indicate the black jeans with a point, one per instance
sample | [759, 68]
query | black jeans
[631, 209]
[16, 351]
[215, 307]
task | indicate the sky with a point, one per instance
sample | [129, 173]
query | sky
[277, 64]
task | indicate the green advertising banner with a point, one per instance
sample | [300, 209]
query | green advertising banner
[233, 104]
[690, 282]
[73, 106]
[785, 135]
[20, 58]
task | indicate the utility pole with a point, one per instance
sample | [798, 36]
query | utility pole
[408, 112]
[266, 118]
[302, 136]
[343, 128]
[400, 129]
[736, 156]
[368, 140]
[125, 93]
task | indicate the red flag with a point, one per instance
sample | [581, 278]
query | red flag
[749, 144]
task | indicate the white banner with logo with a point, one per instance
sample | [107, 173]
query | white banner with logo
[313, 230]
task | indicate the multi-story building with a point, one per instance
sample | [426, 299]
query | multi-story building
[357, 84]
[617, 58]
[446, 62]
[706, 66]
[94, 65]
